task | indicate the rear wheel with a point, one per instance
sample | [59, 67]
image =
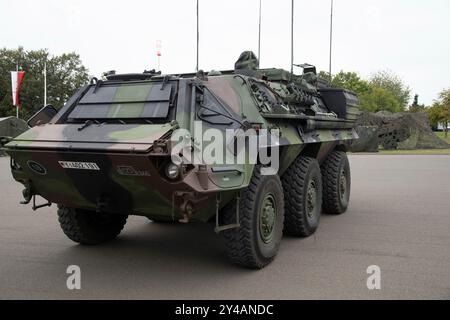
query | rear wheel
[336, 183]
[261, 212]
[89, 227]
[302, 184]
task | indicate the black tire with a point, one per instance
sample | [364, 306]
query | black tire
[302, 184]
[255, 244]
[336, 183]
[88, 227]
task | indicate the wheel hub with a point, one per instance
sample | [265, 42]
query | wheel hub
[311, 199]
[343, 184]
[267, 218]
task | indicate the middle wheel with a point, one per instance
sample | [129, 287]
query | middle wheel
[302, 184]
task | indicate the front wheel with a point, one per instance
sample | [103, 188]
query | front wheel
[89, 227]
[261, 213]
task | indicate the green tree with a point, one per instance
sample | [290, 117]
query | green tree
[346, 80]
[65, 74]
[379, 99]
[416, 107]
[350, 81]
[373, 95]
[324, 76]
[440, 111]
[434, 115]
[393, 84]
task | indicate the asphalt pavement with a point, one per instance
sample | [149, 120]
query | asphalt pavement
[398, 220]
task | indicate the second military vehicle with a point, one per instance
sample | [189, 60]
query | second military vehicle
[110, 152]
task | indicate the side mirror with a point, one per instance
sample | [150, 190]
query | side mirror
[43, 116]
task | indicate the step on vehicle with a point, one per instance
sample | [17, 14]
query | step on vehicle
[110, 152]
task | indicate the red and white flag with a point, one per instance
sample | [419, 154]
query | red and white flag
[158, 48]
[16, 78]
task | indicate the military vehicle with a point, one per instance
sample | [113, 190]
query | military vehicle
[109, 153]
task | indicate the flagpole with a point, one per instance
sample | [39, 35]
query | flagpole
[17, 108]
[45, 83]
[259, 33]
[331, 39]
[158, 53]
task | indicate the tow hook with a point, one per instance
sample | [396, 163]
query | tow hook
[187, 209]
[37, 207]
[27, 193]
[186, 204]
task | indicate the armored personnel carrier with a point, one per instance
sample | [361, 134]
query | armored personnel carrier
[140, 144]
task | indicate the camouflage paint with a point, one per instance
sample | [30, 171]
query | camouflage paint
[132, 155]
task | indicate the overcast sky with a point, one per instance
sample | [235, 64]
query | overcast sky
[409, 37]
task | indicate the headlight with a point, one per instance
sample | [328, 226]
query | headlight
[172, 171]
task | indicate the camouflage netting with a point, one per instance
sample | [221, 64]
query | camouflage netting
[403, 131]
[11, 127]
[368, 139]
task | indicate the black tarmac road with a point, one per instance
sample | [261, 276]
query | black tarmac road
[399, 220]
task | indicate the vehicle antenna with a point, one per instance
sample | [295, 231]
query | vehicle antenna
[292, 39]
[198, 36]
[259, 33]
[331, 38]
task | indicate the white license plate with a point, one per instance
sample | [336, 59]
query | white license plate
[79, 165]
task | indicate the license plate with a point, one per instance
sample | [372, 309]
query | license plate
[79, 165]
